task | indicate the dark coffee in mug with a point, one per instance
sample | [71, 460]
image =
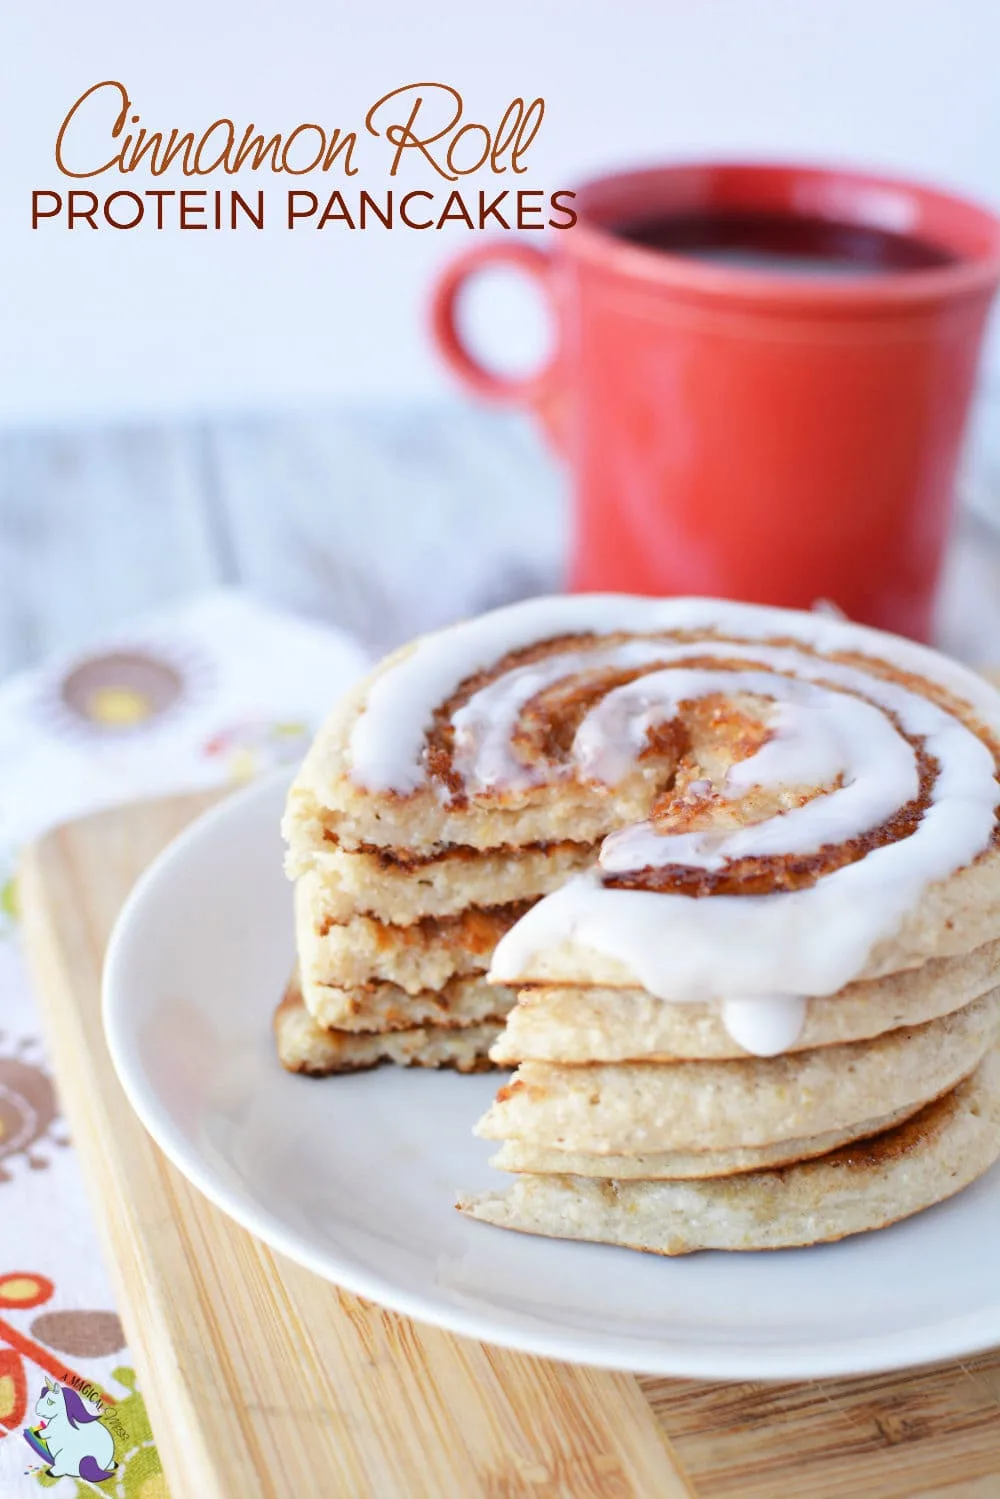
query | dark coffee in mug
[760, 380]
[785, 244]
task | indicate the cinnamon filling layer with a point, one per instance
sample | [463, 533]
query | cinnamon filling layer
[477, 929]
[406, 859]
[761, 876]
[548, 722]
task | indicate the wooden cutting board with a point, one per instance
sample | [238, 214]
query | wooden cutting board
[262, 1380]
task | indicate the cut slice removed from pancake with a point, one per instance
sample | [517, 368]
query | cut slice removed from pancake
[398, 886]
[303, 1046]
[386, 1007]
[423, 955]
[863, 1186]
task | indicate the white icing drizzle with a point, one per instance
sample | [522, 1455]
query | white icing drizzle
[828, 728]
[484, 756]
[821, 735]
[387, 741]
[766, 1025]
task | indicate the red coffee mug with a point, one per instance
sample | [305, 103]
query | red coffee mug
[733, 430]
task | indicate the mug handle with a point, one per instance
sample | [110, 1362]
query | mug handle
[541, 391]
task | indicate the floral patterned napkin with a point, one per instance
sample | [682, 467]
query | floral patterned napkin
[210, 693]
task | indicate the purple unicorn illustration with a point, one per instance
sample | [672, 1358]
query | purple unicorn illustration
[69, 1437]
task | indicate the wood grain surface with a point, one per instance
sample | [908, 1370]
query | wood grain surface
[262, 1380]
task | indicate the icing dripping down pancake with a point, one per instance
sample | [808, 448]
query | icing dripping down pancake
[780, 789]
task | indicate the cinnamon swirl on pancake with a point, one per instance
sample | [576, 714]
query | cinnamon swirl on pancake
[742, 865]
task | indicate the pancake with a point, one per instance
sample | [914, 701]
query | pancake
[863, 1186]
[303, 1046]
[952, 918]
[400, 887]
[681, 1165]
[647, 1107]
[583, 1024]
[325, 804]
[386, 1007]
[424, 955]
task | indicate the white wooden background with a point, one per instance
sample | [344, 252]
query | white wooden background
[383, 521]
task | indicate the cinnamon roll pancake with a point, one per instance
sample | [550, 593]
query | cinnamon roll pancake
[425, 954]
[593, 1024]
[741, 864]
[386, 1007]
[750, 1101]
[683, 1165]
[400, 887]
[304, 1046]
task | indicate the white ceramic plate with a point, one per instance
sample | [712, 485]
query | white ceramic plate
[355, 1177]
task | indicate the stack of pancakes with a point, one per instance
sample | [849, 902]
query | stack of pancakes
[633, 1121]
[741, 867]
